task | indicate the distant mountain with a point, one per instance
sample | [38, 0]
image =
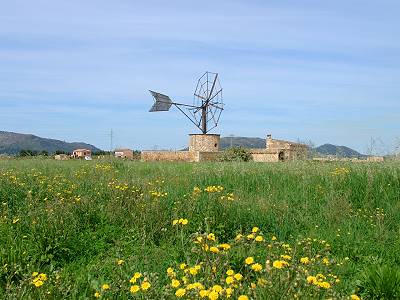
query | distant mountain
[245, 142]
[13, 143]
[341, 151]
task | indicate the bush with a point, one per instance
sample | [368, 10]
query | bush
[235, 154]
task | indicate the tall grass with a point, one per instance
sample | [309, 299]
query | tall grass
[73, 219]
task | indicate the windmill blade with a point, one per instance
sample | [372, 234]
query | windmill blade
[161, 102]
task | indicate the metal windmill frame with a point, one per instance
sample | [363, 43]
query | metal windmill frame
[207, 107]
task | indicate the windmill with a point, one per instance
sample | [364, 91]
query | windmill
[207, 106]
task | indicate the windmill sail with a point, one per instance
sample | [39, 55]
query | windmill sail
[161, 102]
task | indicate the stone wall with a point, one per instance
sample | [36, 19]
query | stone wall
[265, 157]
[186, 156]
[204, 142]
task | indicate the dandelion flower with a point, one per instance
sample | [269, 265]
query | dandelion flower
[230, 280]
[175, 283]
[238, 276]
[213, 295]
[97, 295]
[255, 229]
[145, 285]
[214, 249]
[203, 293]
[230, 272]
[279, 264]
[249, 260]
[180, 293]
[134, 289]
[259, 238]
[120, 262]
[211, 237]
[256, 267]
[305, 260]
[243, 297]
[354, 297]
[105, 287]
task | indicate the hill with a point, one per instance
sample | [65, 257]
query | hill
[341, 151]
[13, 143]
[245, 142]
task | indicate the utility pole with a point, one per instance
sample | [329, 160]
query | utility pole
[111, 142]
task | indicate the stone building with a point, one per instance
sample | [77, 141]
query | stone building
[81, 153]
[280, 150]
[202, 147]
[123, 153]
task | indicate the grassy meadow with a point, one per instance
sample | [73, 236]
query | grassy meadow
[132, 230]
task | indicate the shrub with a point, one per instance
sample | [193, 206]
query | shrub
[235, 154]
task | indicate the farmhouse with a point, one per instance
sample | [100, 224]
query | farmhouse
[123, 153]
[81, 153]
[279, 150]
[61, 157]
[205, 147]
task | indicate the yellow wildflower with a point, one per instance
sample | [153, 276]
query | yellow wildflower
[354, 297]
[203, 293]
[229, 292]
[305, 260]
[174, 222]
[324, 284]
[279, 264]
[97, 295]
[214, 249]
[238, 237]
[238, 276]
[105, 286]
[249, 260]
[286, 257]
[180, 293]
[273, 238]
[225, 246]
[256, 267]
[259, 238]
[211, 237]
[134, 289]
[230, 272]
[250, 236]
[175, 283]
[312, 279]
[243, 297]
[213, 295]
[145, 285]
[255, 229]
[120, 262]
[217, 288]
[230, 280]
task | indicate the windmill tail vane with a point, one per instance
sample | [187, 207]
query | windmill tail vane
[207, 106]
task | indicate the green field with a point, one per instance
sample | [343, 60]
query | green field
[77, 229]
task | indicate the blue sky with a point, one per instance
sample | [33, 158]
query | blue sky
[309, 70]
